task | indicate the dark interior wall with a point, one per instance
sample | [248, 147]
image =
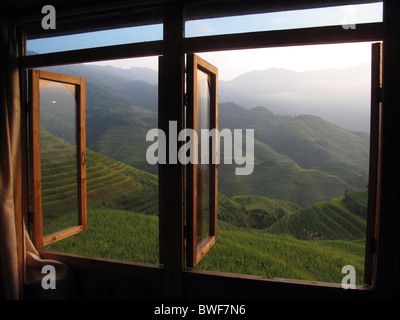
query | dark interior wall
[108, 280]
[102, 279]
[389, 236]
[111, 280]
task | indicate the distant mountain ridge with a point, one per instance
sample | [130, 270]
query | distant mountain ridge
[307, 139]
[338, 96]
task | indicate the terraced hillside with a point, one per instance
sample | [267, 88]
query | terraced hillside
[302, 159]
[123, 222]
[262, 212]
[110, 184]
[276, 256]
[340, 218]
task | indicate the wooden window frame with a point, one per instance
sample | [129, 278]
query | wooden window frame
[173, 48]
[196, 251]
[375, 170]
[38, 238]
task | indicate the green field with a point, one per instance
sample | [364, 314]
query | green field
[128, 236]
[256, 235]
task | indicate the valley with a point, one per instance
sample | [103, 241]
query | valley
[300, 215]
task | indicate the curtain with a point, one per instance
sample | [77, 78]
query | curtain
[65, 281]
[20, 263]
[10, 140]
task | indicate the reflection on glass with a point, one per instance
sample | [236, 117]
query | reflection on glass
[346, 16]
[203, 112]
[58, 148]
[95, 39]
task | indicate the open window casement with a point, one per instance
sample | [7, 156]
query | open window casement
[374, 165]
[201, 173]
[57, 142]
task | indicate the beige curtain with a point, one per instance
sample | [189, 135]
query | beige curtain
[20, 262]
[64, 280]
[10, 142]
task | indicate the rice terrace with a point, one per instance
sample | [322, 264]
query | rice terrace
[300, 214]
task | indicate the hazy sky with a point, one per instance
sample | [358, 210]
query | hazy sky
[234, 63]
[299, 58]
[231, 64]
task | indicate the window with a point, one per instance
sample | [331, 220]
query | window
[116, 124]
[347, 16]
[121, 186]
[373, 214]
[117, 129]
[202, 176]
[54, 95]
[95, 39]
[199, 239]
[307, 197]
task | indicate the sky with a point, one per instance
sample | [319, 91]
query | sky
[233, 63]
[298, 58]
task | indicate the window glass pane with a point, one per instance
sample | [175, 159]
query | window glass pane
[122, 186]
[203, 122]
[95, 39]
[58, 147]
[346, 16]
[301, 212]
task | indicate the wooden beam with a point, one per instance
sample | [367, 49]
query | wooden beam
[171, 176]
[251, 40]
[374, 166]
[35, 163]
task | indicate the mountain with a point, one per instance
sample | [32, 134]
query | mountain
[119, 112]
[302, 159]
[132, 84]
[144, 74]
[313, 142]
[123, 223]
[339, 96]
[307, 139]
